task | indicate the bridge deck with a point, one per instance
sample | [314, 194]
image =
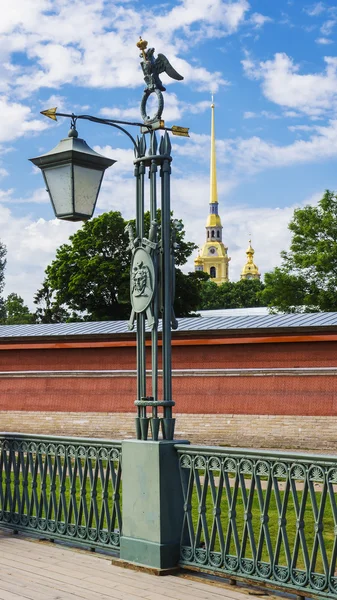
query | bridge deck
[35, 570]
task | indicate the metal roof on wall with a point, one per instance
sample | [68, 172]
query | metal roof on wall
[221, 323]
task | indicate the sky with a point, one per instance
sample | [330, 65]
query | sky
[271, 65]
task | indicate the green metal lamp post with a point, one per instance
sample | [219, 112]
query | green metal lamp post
[73, 172]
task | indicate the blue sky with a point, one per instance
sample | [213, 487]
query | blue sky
[272, 65]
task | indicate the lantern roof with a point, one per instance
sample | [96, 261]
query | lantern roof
[75, 150]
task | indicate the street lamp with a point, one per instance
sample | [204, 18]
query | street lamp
[73, 173]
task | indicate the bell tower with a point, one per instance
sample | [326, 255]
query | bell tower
[213, 258]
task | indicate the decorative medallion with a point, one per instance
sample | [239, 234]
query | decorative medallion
[142, 274]
[142, 279]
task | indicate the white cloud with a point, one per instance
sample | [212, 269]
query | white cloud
[31, 246]
[16, 120]
[60, 40]
[245, 156]
[215, 17]
[315, 9]
[313, 94]
[259, 20]
[264, 113]
[255, 154]
[38, 196]
[324, 41]
[292, 114]
[269, 115]
[300, 127]
[328, 26]
[123, 157]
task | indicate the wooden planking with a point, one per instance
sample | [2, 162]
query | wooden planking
[33, 570]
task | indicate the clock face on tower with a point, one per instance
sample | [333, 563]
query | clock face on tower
[212, 251]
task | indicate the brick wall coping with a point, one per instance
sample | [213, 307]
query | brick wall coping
[113, 373]
[211, 340]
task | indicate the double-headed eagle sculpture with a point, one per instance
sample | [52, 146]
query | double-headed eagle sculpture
[152, 67]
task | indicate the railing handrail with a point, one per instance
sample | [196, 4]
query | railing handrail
[60, 438]
[271, 454]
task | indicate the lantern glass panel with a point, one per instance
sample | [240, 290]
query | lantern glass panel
[59, 182]
[86, 187]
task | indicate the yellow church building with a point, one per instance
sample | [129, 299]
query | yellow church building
[213, 257]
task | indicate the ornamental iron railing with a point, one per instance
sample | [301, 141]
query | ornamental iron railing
[62, 488]
[261, 516]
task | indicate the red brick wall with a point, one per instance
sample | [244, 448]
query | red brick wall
[300, 354]
[214, 395]
[281, 395]
[270, 411]
[68, 358]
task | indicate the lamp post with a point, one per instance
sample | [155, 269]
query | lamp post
[73, 174]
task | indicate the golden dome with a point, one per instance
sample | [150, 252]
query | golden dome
[213, 221]
[250, 270]
[198, 260]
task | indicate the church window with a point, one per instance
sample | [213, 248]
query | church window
[212, 272]
[208, 234]
[218, 234]
[212, 233]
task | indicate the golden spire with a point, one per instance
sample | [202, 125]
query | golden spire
[213, 182]
[213, 258]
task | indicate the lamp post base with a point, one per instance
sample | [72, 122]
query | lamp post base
[124, 564]
[152, 504]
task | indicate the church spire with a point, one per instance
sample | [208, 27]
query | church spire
[213, 223]
[213, 181]
[213, 258]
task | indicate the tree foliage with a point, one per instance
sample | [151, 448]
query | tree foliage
[306, 281]
[89, 278]
[16, 312]
[232, 294]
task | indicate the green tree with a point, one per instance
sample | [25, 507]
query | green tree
[232, 294]
[188, 292]
[48, 310]
[3, 253]
[89, 278]
[16, 312]
[306, 281]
